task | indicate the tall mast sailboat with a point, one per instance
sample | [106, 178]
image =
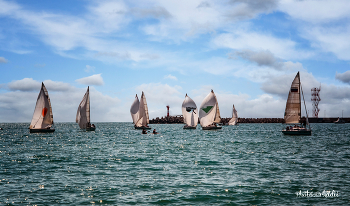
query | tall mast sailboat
[234, 119]
[83, 113]
[139, 113]
[209, 113]
[42, 120]
[292, 115]
[189, 113]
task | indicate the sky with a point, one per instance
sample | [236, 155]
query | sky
[247, 51]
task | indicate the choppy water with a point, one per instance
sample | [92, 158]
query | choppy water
[248, 164]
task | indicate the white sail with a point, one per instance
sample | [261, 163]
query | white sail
[189, 112]
[209, 110]
[83, 113]
[293, 106]
[134, 110]
[143, 113]
[42, 117]
[234, 119]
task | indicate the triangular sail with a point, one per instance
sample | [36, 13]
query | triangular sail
[42, 117]
[189, 112]
[209, 110]
[293, 106]
[217, 115]
[234, 119]
[134, 110]
[83, 113]
[143, 113]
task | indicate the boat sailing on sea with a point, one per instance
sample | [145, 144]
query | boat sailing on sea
[234, 119]
[83, 113]
[209, 113]
[292, 115]
[42, 120]
[139, 113]
[189, 113]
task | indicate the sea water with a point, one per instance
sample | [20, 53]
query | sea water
[247, 164]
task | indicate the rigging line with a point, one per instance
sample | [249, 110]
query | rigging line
[307, 116]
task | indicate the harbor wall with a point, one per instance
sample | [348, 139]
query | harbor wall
[179, 120]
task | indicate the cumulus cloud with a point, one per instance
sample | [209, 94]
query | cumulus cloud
[26, 84]
[18, 106]
[3, 60]
[158, 96]
[95, 79]
[170, 77]
[57, 86]
[343, 77]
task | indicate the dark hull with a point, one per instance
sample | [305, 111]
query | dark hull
[211, 128]
[91, 129]
[41, 130]
[146, 128]
[296, 132]
[188, 127]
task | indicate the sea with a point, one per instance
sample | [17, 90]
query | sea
[246, 164]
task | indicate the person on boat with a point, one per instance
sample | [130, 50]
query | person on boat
[154, 131]
[144, 131]
[93, 125]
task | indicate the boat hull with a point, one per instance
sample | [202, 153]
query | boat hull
[211, 128]
[189, 127]
[41, 130]
[305, 132]
[143, 127]
[91, 129]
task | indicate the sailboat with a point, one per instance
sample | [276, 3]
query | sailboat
[83, 113]
[340, 120]
[293, 111]
[189, 113]
[42, 120]
[234, 120]
[209, 113]
[139, 113]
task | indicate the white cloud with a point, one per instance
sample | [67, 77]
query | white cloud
[158, 96]
[170, 77]
[333, 39]
[316, 11]
[3, 60]
[242, 39]
[95, 79]
[26, 84]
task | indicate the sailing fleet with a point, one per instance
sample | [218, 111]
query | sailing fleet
[208, 114]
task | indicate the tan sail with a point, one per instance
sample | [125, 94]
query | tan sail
[134, 110]
[209, 112]
[42, 117]
[143, 113]
[293, 106]
[83, 113]
[234, 119]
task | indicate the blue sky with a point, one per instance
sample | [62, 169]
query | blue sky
[248, 52]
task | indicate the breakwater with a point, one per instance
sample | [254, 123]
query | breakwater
[179, 120]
